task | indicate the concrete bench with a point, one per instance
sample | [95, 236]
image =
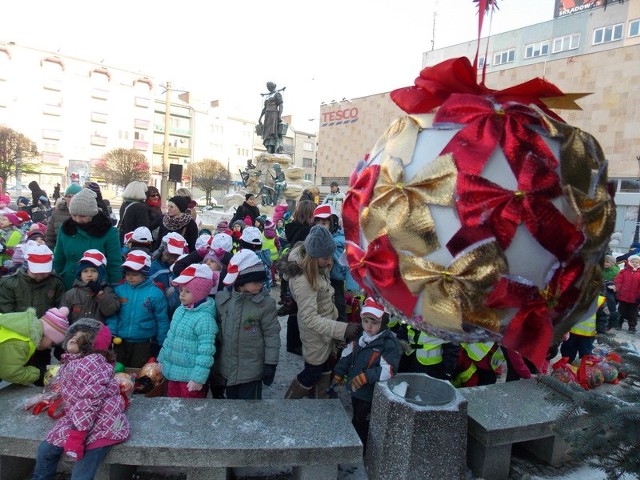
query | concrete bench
[507, 413]
[203, 438]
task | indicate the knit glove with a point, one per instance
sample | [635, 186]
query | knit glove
[352, 332]
[74, 445]
[268, 374]
[94, 286]
[358, 381]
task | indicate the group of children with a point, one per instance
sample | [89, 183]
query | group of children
[209, 318]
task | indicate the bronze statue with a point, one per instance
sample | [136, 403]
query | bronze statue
[280, 182]
[272, 113]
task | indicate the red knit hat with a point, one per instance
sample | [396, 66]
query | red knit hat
[23, 216]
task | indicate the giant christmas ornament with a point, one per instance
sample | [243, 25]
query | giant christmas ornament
[481, 215]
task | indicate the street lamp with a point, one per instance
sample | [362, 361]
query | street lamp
[164, 185]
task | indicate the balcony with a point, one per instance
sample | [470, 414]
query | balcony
[143, 102]
[141, 124]
[51, 158]
[99, 117]
[52, 84]
[48, 134]
[100, 94]
[140, 145]
[175, 151]
[53, 110]
[98, 141]
[183, 132]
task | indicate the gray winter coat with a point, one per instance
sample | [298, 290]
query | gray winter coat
[82, 303]
[59, 215]
[250, 335]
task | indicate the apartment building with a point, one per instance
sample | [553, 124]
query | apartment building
[76, 110]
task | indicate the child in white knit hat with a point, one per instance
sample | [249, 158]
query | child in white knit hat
[249, 329]
[187, 354]
[142, 322]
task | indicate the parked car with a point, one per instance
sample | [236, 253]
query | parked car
[202, 202]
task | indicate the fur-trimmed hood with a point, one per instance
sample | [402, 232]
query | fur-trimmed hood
[290, 264]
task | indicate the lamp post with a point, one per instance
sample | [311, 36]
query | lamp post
[164, 185]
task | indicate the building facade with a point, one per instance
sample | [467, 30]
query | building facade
[592, 50]
[75, 111]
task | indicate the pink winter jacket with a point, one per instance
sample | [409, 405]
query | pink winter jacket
[627, 284]
[92, 402]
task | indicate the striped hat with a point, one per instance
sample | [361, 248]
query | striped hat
[372, 308]
[54, 324]
[93, 256]
[244, 267]
[137, 260]
[39, 258]
[175, 243]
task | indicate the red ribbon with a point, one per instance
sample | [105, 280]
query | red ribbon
[435, 84]
[487, 124]
[482, 202]
[378, 267]
[357, 197]
[529, 332]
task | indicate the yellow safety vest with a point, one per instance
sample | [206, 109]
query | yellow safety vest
[587, 328]
[476, 352]
[427, 347]
[6, 334]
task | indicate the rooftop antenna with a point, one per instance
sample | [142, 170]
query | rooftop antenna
[433, 33]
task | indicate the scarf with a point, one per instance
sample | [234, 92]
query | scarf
[154, 203]
[176, 223]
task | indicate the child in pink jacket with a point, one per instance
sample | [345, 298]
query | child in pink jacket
[94, 418]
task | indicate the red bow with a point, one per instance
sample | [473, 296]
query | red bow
[358, 197]
[378, 268]
[435, 84]
[482, 202]
[529, 332]
[531, 329]
[487, 124]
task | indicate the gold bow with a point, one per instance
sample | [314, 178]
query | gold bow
[580, 154]
[399, 140]
[597, 215]
[400, 208]
[456, 294]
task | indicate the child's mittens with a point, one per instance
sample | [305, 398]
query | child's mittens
[94, 286]
[268, 374]
[74, 445]
[358, 381]
[194, 386]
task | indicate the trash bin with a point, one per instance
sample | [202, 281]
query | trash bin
[418, 429]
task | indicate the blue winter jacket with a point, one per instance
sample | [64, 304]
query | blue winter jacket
[338, 271]
[143, 313]
[187, 353]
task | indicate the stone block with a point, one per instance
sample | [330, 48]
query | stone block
[422, 435]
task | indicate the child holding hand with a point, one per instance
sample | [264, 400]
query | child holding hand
[374, 357]
[94, 417]
[187, 354]
[91, 296]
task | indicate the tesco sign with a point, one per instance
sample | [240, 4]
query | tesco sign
[340, 117]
